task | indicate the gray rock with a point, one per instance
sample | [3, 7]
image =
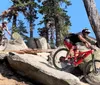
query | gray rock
[3, 56]
[12, 46]
[39, 43]
[42, 43]
[37, 68]
[31, 43]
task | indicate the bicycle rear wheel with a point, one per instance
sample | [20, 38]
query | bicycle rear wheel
[59, 62]
[92, 72]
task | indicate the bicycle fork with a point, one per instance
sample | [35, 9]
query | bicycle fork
[94, 65]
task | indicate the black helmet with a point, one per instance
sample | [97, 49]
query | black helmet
[85, 30]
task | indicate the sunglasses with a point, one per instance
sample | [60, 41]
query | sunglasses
[87, 32]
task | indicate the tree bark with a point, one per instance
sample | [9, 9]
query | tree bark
[14, 23]
[58, 32]
[94, 17]
[31, 29]
[31, 21]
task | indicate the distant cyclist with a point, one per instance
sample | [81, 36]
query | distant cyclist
[3, 26]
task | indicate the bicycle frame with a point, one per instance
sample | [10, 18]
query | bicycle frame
[81, 55]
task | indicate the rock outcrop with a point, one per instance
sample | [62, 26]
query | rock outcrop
[39, 43]
[37, 68]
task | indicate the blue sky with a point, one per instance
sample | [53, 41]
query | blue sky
[76, 11]
[79, 17]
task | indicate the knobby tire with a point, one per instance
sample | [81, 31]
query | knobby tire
[67, 67]
[87, 71]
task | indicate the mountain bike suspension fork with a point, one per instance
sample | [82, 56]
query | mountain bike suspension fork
[94, 65]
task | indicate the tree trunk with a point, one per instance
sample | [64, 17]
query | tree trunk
[58, 35]
[31, 21]
[31, 29]
[14, 23]
[46, 36]
[94, 17]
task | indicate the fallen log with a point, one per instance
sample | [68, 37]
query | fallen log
[28, 51]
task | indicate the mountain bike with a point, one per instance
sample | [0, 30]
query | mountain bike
[3, 43]
[60, 62]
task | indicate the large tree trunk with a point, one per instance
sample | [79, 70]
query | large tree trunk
[58, 42]
[14, 23]
[31, 29]
[31, 21]
[94, 17]
[46, 36]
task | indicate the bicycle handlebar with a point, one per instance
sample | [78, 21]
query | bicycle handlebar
[92, 47]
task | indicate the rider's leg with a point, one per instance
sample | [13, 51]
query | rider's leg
[76, 52]
[69, 52]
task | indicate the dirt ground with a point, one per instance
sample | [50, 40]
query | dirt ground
[8, 77]
[7, 81]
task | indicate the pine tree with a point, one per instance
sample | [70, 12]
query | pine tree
[54, 13]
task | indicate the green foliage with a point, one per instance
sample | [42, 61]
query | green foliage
[52, 9]
[28, 8]
[21, 29]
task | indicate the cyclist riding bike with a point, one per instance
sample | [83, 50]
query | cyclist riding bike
[3, 26]
[76, 41]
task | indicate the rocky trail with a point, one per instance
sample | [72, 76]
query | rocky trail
[20, 65]
[9, 77]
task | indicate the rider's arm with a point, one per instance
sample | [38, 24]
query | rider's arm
[87, 44]
[82, 39]
[6, 28]
[92, 40]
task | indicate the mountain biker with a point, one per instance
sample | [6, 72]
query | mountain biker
[80, 39]
[3, 26]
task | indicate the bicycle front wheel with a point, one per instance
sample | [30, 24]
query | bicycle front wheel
[3, 44]
[59, 61]
[92, 72]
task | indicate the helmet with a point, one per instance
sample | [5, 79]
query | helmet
[5, 21]
[85, 30]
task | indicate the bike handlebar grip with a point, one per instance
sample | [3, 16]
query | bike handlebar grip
[92, 48]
